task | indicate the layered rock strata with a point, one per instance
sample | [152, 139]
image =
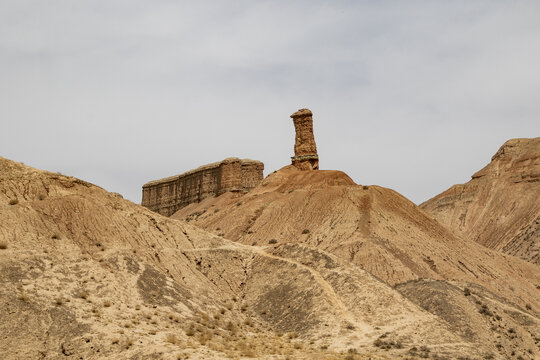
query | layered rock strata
[305, 150]
[168, 195]
[499, 206]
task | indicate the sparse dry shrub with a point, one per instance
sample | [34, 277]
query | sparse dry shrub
[232, 328]
[204, 337]
[128, 343]
[190, 331]
[83, 294]
[174, 317]
[55, 236]
[115, 341]
[13, 202]
[58, 301]
[389, 344]
[305, 231]
[272, 241]
[107, 303]
[205, 317]
[171, 338]
[466, 291]
[250, 353]
[41, 197]
[528, 307]
[3, 244]
[229, 307]
[484, 310]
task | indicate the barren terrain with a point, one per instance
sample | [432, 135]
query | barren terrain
[87, 274]
[500, 207]
[370, 226]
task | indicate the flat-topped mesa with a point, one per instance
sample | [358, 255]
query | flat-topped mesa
[167, 196]
[305, 150]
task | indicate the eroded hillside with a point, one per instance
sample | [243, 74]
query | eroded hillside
[499, 207]
[87, 274]
[373, 227]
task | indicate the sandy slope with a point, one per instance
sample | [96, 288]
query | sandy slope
[87, 274]
[373, 227]
[500, 206]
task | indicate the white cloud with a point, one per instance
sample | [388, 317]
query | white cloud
[411, 95]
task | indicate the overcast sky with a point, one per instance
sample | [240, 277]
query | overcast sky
[411, 95]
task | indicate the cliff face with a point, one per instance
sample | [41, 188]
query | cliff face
[499, 207]
[168, 195]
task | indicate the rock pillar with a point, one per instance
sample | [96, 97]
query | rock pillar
[305, 150]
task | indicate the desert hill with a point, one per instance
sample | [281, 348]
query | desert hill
[87, 274]
[500, 206]
[371, 226]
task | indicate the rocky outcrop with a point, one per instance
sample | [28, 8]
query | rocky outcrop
[168, 195]
[499, 206]
[305, 150]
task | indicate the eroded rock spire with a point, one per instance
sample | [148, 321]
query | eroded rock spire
[305, 150]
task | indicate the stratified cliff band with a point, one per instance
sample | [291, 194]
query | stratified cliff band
[168, 195]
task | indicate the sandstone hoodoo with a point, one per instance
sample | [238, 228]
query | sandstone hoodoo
[305, 150]
[168, 195]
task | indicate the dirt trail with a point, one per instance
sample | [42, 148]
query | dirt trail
[325, 286]
[329, 292]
